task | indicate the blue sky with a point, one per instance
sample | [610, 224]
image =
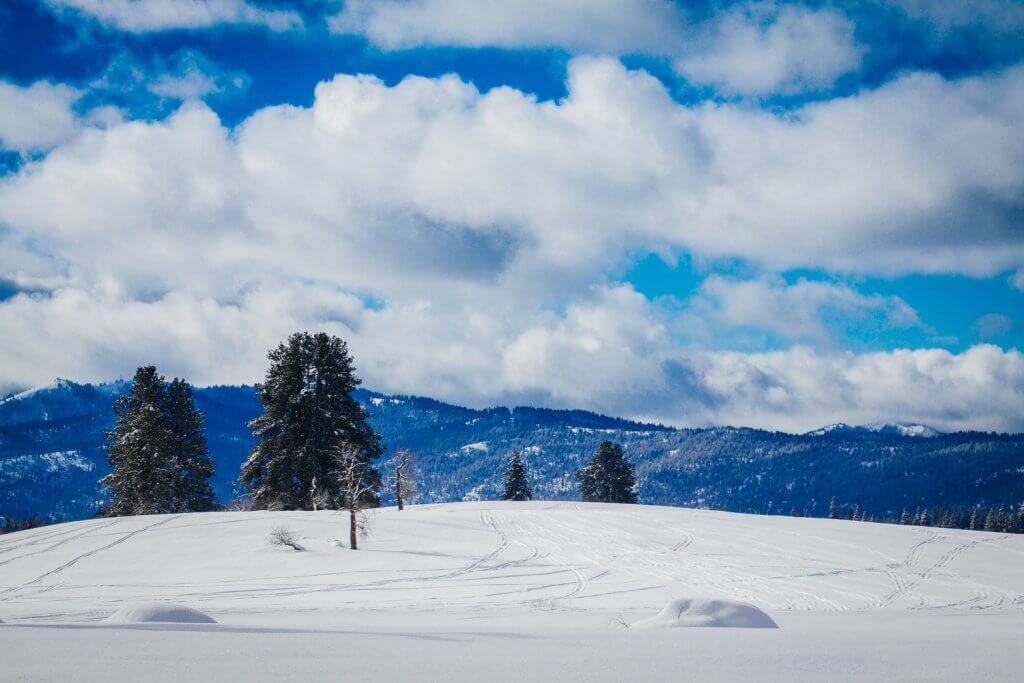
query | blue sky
[673, 211]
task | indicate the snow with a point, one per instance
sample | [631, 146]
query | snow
[159, 612]
[707, 612]
[821, 431]
[901, 428]
[55, 461]
[478, 447]
[522, 591]
[28, 393]
[923, 431]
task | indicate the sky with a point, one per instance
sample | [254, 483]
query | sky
[760, 213]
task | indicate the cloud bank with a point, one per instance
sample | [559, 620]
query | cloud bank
[749, 48]
[460, 240]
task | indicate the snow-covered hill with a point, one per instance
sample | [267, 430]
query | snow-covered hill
[478, 584]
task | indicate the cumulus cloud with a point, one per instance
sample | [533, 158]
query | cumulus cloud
[37, 117]
[799, 388]
[806, 311]
[612, 351]
[608, 26]
[447, 184]
[761, 48]
[616, 352]
[750, 48]
[459, 240]
[40, 116]
[141, 16]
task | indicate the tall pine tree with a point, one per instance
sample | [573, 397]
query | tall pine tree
[608, 477]
[190, 461]
[516, 486]
[157, 450]
[310, 420]
[140, 479]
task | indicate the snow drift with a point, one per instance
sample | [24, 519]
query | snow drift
[160, 613]
[707, 612]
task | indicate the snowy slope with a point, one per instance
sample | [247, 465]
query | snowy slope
[502, 572]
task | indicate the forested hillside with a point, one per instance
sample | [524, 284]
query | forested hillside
[51, 456]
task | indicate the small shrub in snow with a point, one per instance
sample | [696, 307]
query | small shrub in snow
[240, 504]
[285, 537]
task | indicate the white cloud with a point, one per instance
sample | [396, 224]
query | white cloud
[610, 352]
[993, 15]
[193, 84]
[992, 326]
[141, 16]
[482, 226]
[808, 311]
[751, 48]
[798, 389]
[615, 353]
[37, 117]
[157, 86]
[435, 180]
[607, 26]
[761, 48]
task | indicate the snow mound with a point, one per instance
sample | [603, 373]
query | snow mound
[159, 612]
[696, 612]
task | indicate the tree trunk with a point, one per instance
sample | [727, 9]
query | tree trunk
[352, 527]
[398, 490]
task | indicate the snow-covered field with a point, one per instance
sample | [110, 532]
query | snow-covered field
[510, 591]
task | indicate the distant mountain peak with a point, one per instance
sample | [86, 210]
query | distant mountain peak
[904, 428]
[57, 384]
[900, 428]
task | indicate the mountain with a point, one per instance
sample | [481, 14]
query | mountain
[900, 428]
[51, 455]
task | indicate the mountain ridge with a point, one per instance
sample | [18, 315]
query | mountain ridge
[51, 455]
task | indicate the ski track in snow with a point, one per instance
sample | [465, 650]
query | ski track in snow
[70, 563]
[483, 555]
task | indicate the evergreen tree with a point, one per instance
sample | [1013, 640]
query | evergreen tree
[608, 477]
[190, 463]
[310, 420]
[516, 486]
[140, 481]
[833, 509]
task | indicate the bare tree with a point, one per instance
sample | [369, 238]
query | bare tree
[405, 477]
[282, 536]
[357, 488]
[318, 496]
